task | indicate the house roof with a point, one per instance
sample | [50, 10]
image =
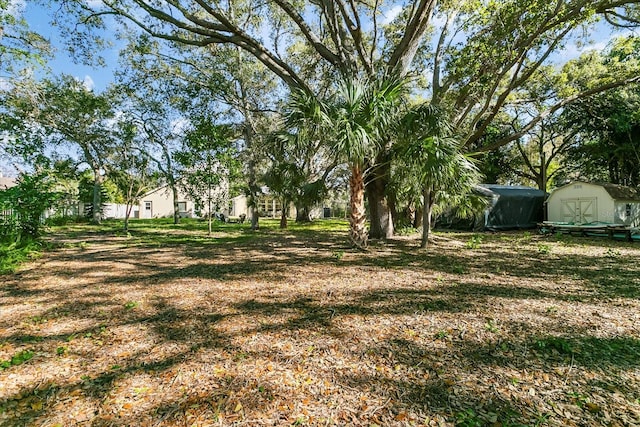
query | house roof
[6, 182]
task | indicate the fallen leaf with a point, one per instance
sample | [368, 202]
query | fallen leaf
[592, 407]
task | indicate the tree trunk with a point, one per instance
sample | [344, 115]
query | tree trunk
[303, 214]
[427, 197]
[127, 214]
[392, 201]
[542, 184]
[283, 217]
[417, 219]
[252, 181]
[176, 208]
[97, 197]
[209, 214]
[358, 216]
[379, 209]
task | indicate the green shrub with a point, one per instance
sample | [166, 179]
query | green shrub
[13, 253]
[25, 205]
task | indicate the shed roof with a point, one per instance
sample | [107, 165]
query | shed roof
[621, 192]
[509, 190]
[617, 192]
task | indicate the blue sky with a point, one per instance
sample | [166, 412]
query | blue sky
[98, 77]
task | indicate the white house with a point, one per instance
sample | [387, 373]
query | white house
[158, 203]
[583, 202]
[270, 206]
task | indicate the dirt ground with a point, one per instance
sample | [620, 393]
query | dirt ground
[285, 328]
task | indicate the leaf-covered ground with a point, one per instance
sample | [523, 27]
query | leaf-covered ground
[273, 328]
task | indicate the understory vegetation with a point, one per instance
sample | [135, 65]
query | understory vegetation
[12, 254]
[165, 326]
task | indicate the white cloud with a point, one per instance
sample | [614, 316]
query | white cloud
[16, 7]
[88, 82]
[180, 125]
[5, 84]
[574, 50]
[95, 3]
[391, 14]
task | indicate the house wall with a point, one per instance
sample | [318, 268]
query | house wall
[159, 203]
[268, 207]
[238, 206]
[581, 202]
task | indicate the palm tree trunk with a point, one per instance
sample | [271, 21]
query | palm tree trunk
[127, 215]
[303, 213]
[427, 208]
[358, 217]
[381, 224]
[285, 213]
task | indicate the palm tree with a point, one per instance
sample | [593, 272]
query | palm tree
[435, 158]
[354, 123]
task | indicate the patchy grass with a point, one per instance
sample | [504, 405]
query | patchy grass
[290, 327]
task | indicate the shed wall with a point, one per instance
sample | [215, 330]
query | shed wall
[627, 212]
[581, 195]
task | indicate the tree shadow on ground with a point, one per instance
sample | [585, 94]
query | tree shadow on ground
[470, 285]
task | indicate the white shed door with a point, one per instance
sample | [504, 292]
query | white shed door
[579, 211]
[148, 210]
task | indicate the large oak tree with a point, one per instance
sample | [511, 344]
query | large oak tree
[475, 53]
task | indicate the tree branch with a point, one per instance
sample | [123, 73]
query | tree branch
[308, 33]
[559, 105]
[415, 29]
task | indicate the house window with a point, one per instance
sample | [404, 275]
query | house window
[263, 205]
[182, 206]
[147, 206]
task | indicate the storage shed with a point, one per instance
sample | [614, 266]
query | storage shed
[509, 207]
[583, 202]
[512, 207]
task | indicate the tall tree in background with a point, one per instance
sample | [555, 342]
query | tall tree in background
[129, 167]
[149, 104]
[597, 132]
[234, 85]
[608, 124]
[609, 132]
[63, 112]
[473, 76]
[209, 158]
